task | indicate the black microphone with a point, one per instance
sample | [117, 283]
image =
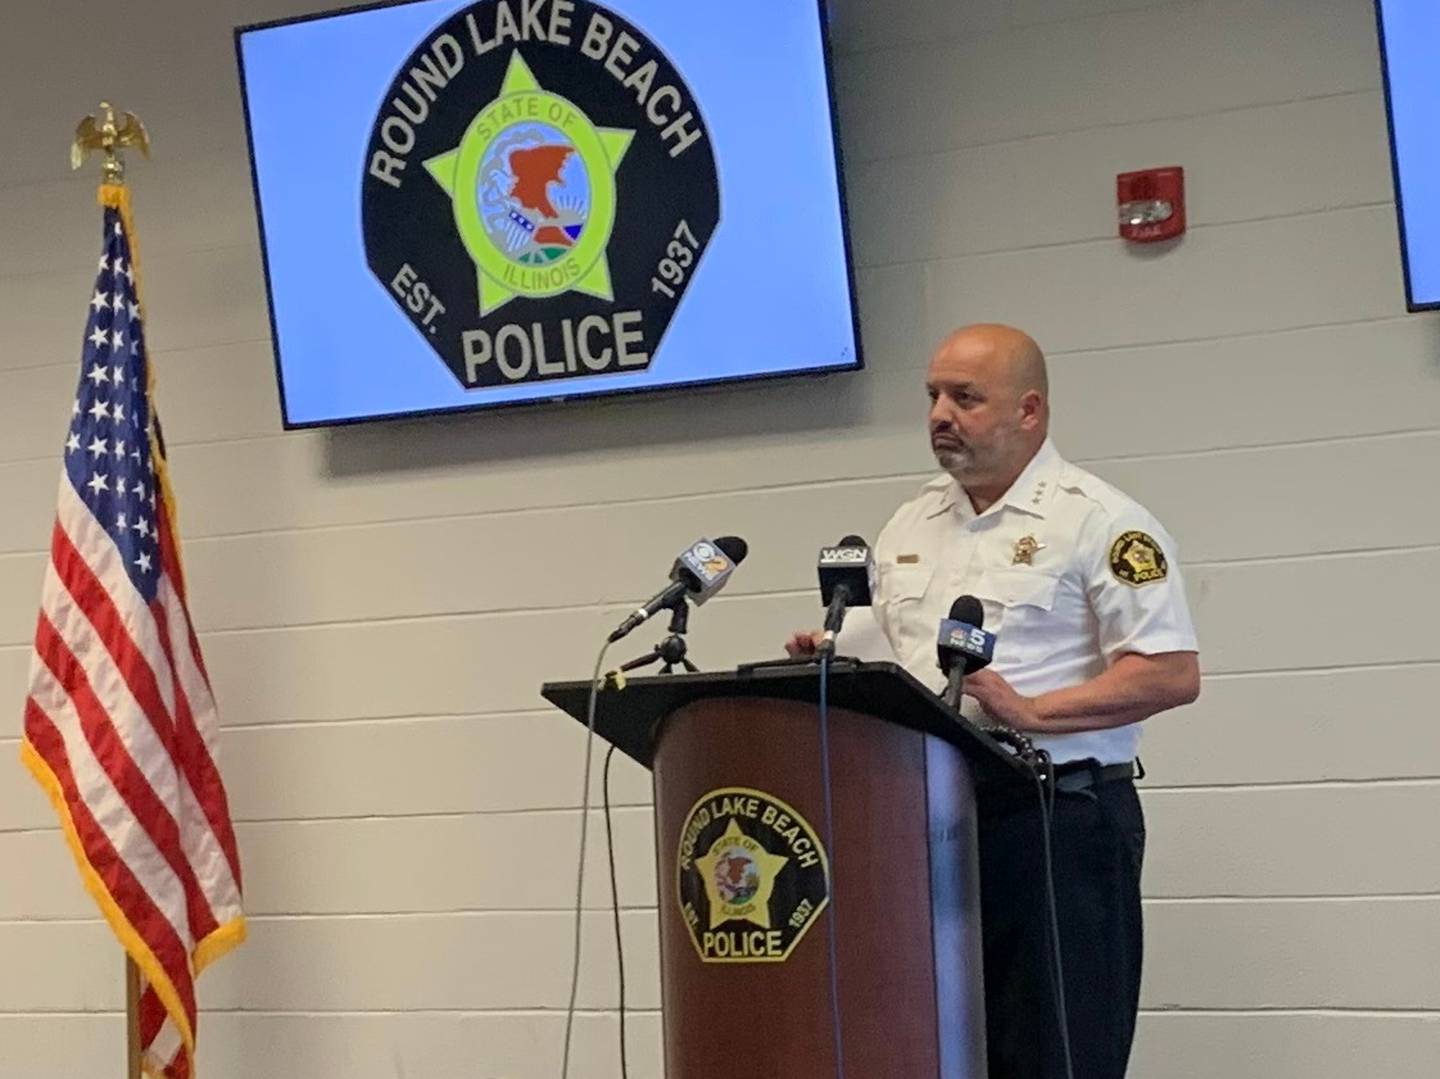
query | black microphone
[963, 647]
[701, 570]
[845, 571]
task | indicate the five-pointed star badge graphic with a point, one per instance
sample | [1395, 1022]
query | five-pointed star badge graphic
[757, 908]
[446, 170]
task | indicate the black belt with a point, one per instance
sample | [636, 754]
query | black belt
[1075, 776]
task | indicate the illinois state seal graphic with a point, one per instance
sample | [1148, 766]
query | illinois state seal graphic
[538, 193]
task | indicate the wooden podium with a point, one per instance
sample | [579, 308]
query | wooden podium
[748, 880]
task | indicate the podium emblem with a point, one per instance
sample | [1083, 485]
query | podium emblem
[753, 876]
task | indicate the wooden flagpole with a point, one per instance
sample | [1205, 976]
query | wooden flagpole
[103, 134]
[132, 1019]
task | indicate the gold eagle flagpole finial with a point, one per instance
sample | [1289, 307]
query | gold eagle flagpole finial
[109, 138]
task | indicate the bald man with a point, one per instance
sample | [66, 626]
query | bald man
[1082, 588]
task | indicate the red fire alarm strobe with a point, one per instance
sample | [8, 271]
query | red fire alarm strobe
[1152, 204]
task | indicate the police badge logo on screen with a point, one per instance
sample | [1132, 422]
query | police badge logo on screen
[539, 190]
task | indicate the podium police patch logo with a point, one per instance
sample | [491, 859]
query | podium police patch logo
[1137, 559]
[539, 191]
[752, 877]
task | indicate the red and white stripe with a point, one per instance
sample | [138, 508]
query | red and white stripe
[121, 716]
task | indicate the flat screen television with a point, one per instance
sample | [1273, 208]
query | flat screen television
[1410, 49]
[469, 205]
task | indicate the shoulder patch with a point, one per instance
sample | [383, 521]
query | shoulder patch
[1136, 559]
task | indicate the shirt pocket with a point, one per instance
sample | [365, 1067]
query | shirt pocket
[902, 590]
[1021, 588]
[1019, 604]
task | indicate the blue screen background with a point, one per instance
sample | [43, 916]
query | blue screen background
[770, 296]
[1412, 49]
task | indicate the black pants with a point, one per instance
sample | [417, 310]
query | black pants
[1098, 842]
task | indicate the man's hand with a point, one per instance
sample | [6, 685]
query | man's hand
[1000, 700]
[803, 642]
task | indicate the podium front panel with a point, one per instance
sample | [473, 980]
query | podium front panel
[749, 881]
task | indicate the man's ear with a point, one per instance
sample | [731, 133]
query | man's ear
[1032, 409]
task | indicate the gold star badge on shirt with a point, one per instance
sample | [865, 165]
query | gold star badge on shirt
[1025, 548]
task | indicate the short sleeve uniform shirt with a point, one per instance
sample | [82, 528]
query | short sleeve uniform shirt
[1071, 573]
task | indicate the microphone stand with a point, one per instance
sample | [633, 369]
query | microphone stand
[670, 651]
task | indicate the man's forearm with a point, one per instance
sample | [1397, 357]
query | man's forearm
[1133, 689]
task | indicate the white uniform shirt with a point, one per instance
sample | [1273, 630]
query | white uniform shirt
[1072, 574]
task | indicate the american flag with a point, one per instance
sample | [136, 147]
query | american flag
[120, 724]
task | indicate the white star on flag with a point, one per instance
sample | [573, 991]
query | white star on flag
[141, 526]
[143, 562]
[119, 448]
[99, 482]
[120, 489]
[120, 521]
[119, 304]
[98, 374]
[100, 410]
[119, 265]
[134, 311]
[104, 263]
[99, 338]
[118, 338]
[119, 408]
[97, 448]
[99, 300]
[119, 374]
[72, 443]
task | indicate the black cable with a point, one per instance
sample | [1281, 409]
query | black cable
[830, 843]
[1043, 768]
[595, 681]
[615, 906]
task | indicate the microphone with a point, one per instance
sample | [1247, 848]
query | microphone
[964, 647]
[845, 572]
[701, 570]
